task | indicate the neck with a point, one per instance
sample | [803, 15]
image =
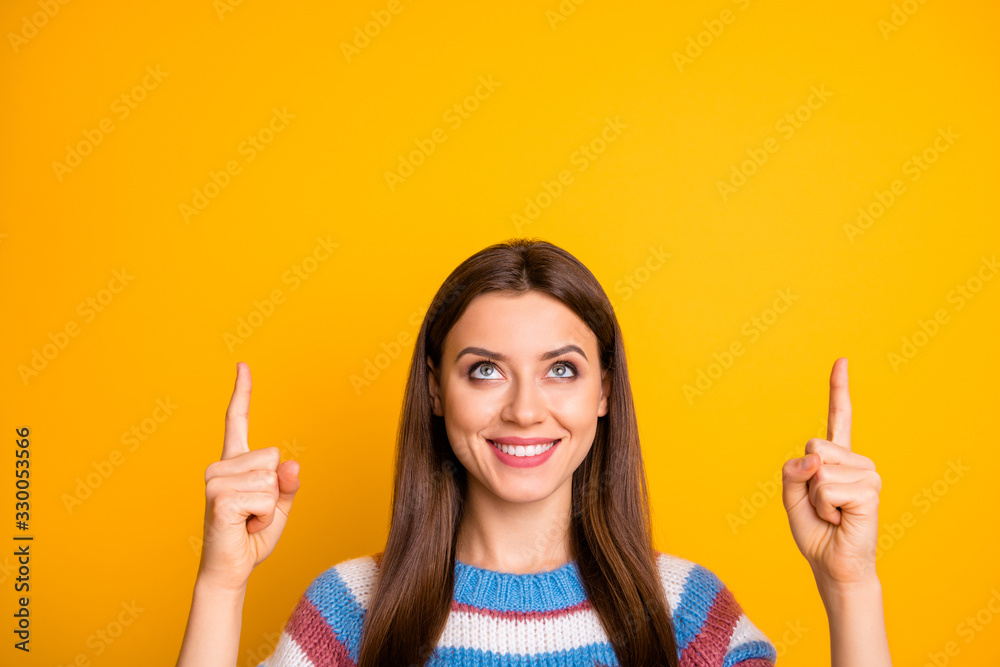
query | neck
[520, 538]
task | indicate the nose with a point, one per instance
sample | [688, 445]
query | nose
[524, 404]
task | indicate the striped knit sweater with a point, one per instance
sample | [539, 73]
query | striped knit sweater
[522, 620]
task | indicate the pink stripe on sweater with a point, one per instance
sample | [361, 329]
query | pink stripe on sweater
[710, 645]
[521, 615]
[755, 662]
[315, 637]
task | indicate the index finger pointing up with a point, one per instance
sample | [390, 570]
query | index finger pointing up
[238, 415]
[838, 423]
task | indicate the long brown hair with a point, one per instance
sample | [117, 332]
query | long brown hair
[610, 529]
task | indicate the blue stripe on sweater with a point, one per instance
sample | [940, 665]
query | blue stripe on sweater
[339, 608]
[503, 591]
[584, 655]
[747, 650]
[697, 596]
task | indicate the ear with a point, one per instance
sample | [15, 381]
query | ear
[602, 406]
[434, 387]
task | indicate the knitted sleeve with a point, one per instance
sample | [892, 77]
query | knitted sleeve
[324, 628]
[711, 628]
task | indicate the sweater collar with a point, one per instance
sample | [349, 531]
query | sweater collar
[504, 591]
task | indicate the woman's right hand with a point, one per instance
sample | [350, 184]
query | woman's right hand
[248, 496]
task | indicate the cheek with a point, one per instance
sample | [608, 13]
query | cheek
[578, 414]
[469, 412]
[575, 409]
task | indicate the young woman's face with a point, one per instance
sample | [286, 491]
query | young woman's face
[520, 367]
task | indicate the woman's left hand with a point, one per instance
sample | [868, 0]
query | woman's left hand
[831, 497]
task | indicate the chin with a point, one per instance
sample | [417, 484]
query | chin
[525, 492]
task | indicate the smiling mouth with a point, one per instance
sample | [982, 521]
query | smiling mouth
[525, 451]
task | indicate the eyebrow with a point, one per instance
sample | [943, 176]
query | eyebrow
[503, 357]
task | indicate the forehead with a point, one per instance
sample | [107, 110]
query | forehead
[525, 324]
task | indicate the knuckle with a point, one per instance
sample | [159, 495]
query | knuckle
[877, 486]
[219, 505]
[212, 487]
[268, 479]
[813, 445]
[273, 456]
[234, 415]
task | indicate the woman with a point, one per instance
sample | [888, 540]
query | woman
[520, 529]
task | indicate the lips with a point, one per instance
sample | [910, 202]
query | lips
[526, 451]
[525, 460]
[512, 440]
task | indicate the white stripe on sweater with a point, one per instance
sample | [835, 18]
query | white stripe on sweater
[745, 632]
[359, 576]
[472, 630]
[674, 570]
[288, 654]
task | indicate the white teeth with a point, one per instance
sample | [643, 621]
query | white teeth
[521, 450]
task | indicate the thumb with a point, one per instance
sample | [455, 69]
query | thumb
[288, 484]
[795, 474]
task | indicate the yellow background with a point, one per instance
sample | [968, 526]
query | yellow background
[655, 185]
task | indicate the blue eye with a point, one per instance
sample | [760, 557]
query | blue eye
[565, 364]
[490, 367]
